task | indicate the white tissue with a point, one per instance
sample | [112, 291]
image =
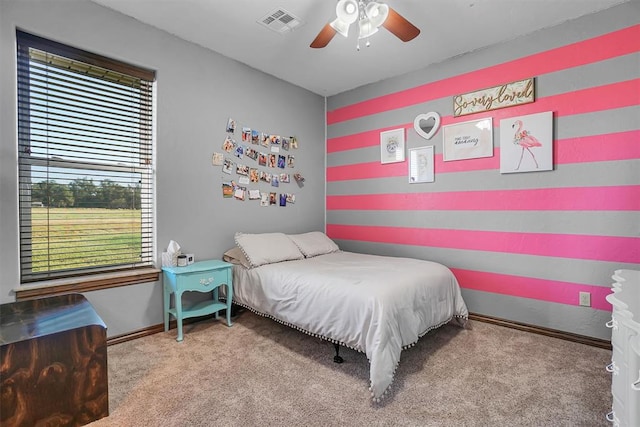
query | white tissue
[173, 248]
[170, 258]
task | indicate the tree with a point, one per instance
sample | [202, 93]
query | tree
[84, 192]
[52, 194]
[60, 196]
[112, 195]
[105, 194]
[40, 193]
[136, 196]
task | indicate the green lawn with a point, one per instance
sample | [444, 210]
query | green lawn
[66, 238]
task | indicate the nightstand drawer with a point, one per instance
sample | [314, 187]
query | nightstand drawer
[202, 281]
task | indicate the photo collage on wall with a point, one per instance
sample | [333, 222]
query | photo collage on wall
[257, 159]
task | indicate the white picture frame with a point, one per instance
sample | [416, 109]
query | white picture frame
[526, 143]
[392, 146]
[467, 140]
[421, 167]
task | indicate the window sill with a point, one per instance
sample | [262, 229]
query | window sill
[87, 283]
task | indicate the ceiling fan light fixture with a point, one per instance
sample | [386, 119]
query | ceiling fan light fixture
[340, 26]
[347, 11]
[377, 13]
[366, 28]
[371, 15]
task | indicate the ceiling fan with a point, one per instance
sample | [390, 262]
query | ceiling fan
[370, 15]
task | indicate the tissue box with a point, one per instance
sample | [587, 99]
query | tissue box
[169, 260]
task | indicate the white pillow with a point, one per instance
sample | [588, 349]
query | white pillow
[267, 248]
[235, 256]
[314, 243]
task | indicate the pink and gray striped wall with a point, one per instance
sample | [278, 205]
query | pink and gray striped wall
[521, 245]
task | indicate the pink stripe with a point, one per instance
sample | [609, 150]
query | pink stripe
[359, 140]
[600, 98]
[366, 171]
[584, 149]
[371, 170]
[613, 198]
[598, 148]
[575, 246]
[528, 287]
[588, 51]
[485, 163]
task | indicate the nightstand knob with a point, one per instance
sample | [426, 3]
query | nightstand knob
[206, 282]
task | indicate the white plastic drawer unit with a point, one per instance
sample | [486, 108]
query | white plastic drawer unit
[625, 356]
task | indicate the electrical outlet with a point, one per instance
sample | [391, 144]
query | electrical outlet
[585, 299]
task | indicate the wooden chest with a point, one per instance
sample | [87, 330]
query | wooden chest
[53, 362]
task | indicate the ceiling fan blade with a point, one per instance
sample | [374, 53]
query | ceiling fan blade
[324, 37]
[400, 27]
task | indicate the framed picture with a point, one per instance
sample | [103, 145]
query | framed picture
[392, 146]
[526, 143]
[468, 140]
[506, 95]
[421, 164]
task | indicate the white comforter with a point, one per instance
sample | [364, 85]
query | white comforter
[374, 304]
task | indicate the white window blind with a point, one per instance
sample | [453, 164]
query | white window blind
[85, 162]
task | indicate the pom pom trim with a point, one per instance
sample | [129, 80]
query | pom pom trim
[386, 391]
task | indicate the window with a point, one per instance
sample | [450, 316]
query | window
[85, 162]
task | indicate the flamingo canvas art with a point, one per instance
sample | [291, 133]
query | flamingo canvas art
[526, 143]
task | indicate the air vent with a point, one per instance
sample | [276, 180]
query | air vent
[280, 21]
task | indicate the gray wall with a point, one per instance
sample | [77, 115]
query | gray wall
[593, 151]
[197, 90]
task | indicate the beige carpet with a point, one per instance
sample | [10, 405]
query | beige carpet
[259, 372]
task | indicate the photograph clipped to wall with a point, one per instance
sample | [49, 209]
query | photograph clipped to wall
[526, 143]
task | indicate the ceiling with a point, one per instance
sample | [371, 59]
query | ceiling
[448, 28]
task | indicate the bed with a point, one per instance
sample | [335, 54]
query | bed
[377, 305]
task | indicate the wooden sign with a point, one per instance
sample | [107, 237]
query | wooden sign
[507, 95]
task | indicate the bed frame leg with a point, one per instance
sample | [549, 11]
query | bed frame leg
[337, 358]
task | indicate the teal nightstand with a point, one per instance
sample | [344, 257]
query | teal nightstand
[202, 276]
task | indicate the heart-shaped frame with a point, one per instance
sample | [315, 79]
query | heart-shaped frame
[428, 130]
